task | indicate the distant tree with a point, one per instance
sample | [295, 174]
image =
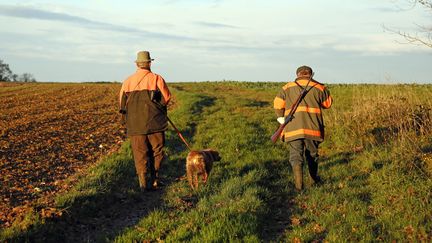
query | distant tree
[5, 72]
[424, 34]
[7, 75]
[15, 77]
[26, 77]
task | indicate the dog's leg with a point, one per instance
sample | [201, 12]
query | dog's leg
[205, 176]
[190, 175]
[196, 180]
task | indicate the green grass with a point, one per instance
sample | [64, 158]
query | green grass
[373, 161]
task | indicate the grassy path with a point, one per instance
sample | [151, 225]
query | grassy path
[230, 206]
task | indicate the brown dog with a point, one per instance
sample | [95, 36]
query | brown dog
[200, 163]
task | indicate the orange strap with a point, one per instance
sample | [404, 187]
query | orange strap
[127, 100]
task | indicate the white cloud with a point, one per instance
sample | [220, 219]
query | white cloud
[212, 35]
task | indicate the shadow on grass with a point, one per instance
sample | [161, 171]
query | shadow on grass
[205, 101]
[326, 163]
[97, 212]
[280, 200]
[100, 216]
[257, 103]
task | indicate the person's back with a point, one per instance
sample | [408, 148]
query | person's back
[308, 121]
[144, 116]
[143, 99]
[306, 130]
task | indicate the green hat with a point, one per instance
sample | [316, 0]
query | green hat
[304, 68]
[143, 56]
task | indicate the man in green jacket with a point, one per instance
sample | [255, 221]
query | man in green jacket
[306, 130]
[143, 99]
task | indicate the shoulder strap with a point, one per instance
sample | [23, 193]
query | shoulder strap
[127, 97]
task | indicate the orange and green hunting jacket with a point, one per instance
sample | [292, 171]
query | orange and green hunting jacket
[308, 120]
[143, 116]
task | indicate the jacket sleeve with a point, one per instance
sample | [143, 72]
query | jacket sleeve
[279, 103]
[326, 100]
[166, 94]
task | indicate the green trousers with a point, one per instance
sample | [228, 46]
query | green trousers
[305, 148]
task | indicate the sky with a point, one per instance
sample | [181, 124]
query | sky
[344, 41]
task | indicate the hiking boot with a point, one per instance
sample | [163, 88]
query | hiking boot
[156, 180]
[313, 172]
[158, 183]
[298, 177]
[317, 181]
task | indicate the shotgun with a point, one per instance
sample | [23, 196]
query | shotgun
[290, 116]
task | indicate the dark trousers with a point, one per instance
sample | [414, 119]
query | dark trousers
[305, 148]
[148, 153]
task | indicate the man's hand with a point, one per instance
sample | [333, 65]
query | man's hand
[281, 120]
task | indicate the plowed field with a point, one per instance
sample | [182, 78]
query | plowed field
[49, 132]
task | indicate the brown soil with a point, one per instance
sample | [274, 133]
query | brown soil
[49, 132]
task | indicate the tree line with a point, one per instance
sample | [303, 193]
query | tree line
[7, 75]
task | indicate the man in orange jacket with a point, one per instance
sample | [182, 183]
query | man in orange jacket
[143, 99]
[306, 130]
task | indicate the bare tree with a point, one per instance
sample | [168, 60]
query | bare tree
[14, 77]
[26, 77]
[424, 34]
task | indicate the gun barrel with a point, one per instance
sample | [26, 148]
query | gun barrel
[277, 134]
